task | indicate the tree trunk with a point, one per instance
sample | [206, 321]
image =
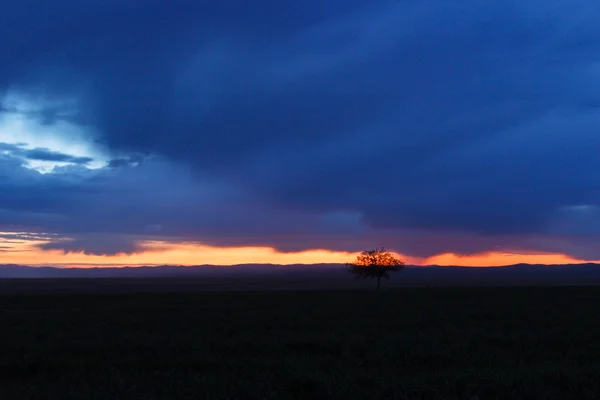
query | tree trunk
[378, 282]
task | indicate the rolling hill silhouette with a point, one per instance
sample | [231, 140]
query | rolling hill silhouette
[519, 274]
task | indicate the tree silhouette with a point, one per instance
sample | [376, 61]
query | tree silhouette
[377, 263]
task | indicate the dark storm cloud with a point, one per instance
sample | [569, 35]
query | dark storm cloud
[49, 155]
[110, 210]
[125, 162]
[123, 207]
[96, 244]
[42, 154]
[339, 123]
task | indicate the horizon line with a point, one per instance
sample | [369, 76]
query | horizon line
[120, 266]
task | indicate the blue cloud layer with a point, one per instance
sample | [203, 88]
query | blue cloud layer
[330, 124]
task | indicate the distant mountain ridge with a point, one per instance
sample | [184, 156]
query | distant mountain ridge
[588, 270]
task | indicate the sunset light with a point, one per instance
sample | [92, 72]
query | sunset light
[160, 253]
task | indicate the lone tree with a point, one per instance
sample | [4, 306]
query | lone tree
[375, 264]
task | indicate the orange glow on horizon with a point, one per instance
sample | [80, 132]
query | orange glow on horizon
[157, 253]
[499, 259]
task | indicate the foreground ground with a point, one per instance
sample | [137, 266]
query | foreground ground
[450, 343]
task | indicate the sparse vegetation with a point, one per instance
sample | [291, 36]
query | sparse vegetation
[453, 343]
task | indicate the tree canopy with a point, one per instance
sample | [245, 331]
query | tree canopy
[377, 263]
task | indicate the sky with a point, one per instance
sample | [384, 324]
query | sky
[152, 131]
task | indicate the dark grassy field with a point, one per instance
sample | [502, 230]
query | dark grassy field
[450, 343]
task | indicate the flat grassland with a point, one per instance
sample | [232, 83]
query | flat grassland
[410, 343]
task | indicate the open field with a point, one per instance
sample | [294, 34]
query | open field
[428, 343]
[266, 277]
